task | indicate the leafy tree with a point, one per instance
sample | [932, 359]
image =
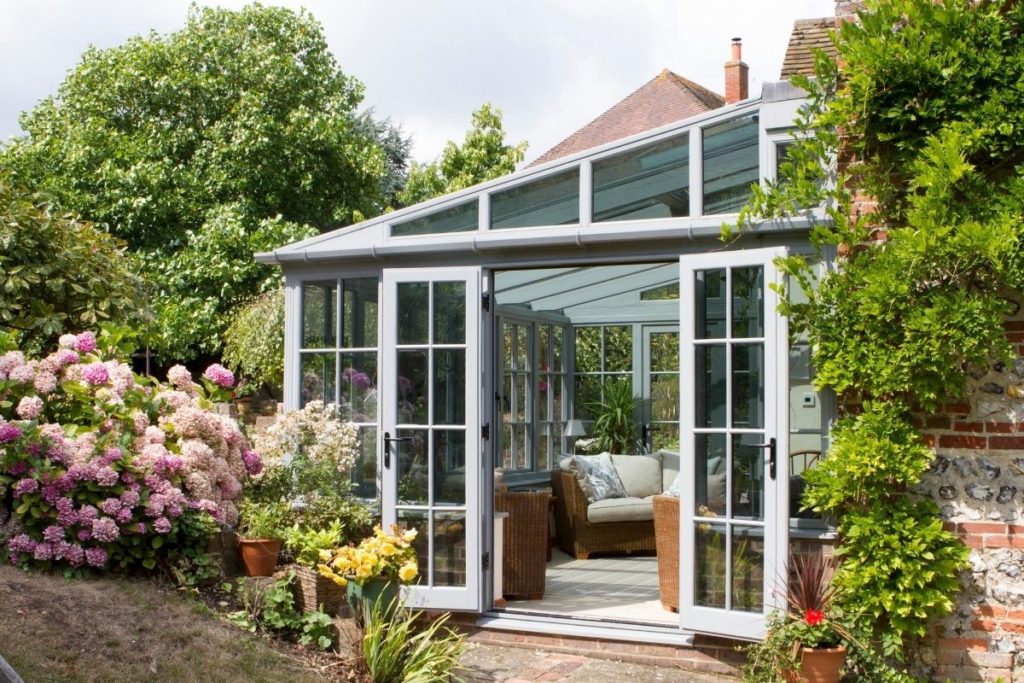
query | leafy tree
[201, 145]
[483, 155]
[57, 273]
[254, 341]
[925, 118]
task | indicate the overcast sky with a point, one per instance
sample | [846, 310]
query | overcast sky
[549, 65]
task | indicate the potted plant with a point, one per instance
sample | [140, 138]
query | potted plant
[807, 643]
[260, 528]
[614, 429]
[313, 590]
[374, 571]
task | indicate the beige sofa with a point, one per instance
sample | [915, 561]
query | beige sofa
[613, 525]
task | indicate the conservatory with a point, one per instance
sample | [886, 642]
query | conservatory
[484, 341]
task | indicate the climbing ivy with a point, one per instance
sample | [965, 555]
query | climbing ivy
[914, 151]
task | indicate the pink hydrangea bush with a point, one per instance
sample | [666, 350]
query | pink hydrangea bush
[105, 468]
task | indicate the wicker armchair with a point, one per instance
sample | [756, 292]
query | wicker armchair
[580, 537]
[666, 534]
[525, 548]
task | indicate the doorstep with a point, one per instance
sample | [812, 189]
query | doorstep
[703, 654]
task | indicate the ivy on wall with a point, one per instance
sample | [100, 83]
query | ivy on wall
[915, 149]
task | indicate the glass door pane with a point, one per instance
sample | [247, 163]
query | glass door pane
[735, 521]
[431, 429]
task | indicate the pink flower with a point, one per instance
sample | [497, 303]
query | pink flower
[25, 486]
[25, 374]
[162, 525]
[9, 432]
[9, 361]
[66, 357]
[96, 557]
[220, 375]
[95, 373]
[67, 341]
[43, 552]
[29, 407]
[22, 543]
[105, 476]
[253, 462]
[105, 530]
[74, 554]
[45, 382]
[53, 534]
[85, 342]
[111, 506]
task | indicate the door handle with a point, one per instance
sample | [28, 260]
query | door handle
[387, 447]
[771, 446]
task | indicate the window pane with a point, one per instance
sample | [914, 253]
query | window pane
[618, 349]
[359, 386]
[359, 309]
[412, 387]
[730, 164]
[652, 182]
[319, 307]
[449, 312]
[748, 569]
[588, 349]
[709, 564]
[710, 303]
[318, 378]
[413, 312]
[364, 469]
[413, 468]
[748, 386]
[449, 386]
[664, 351]
[461, 218]
[449, 467]
[449, 549]
[711, 373]
[663, 293]
[554, 200]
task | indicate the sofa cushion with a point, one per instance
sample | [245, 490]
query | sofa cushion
[640, 474]
[621, 510]
[669, 468]
[597, 477]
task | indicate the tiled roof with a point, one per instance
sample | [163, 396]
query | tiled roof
[808, 35]
[664, 99]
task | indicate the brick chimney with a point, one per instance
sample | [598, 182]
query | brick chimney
[736, 75]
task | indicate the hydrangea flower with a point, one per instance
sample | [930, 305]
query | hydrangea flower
[96, 373]
[29, 407]
[85, 342]
[105, 476]
[53, 534]
[25, 486]
[105, 530]
[220, 375]
[67, 341]
[44, 382]
[96, 557]
[180, 378]
[9, 432]
[162, 525]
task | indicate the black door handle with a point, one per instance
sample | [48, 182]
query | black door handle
[387, 447]
[771, 446]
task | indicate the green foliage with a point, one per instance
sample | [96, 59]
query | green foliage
[203, 145]
[483, 155]
[263, 519]
[396, 649]
[614, 428]
[272, 608]
[328, 508]
[254, 341]
[58, 273]
[305, 543]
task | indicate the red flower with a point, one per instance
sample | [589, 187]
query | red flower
[813, 617]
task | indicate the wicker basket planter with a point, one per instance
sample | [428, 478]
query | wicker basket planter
[313, 592]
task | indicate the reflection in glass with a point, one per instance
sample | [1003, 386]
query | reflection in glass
[461, 218]
[588, 349]
[553, 200]
[665, 397]
[364, 469]
[748, 569]
[731, 164]
[588, 392]
[359, 312]
[709, 564]
[522, 361]
[748, 476]
[411, 392]
[410, 452]
[747, 302]
[449, 467]
[417, 519]
[556, 341]
[710, 303]
[319, 378]
[748, 386]
[711, 385]
[449, 549]
[319, 308]
[650, 182]
[449, 386]
[664, 351]
[413, 312]
[449, 312]
[359, 386]
[618, 348]
[711, 474]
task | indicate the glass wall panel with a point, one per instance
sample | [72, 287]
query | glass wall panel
[731, 164]
[461, 218]
[359, 312]
[319, 312]
[554, 200]
[650, 182]
[319, 380]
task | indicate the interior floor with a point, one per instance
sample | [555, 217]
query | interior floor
[621, 588]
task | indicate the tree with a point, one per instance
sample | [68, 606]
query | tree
[198, 146]
[483, 155]
[58, 274]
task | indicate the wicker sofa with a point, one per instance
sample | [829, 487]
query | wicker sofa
[616, 525]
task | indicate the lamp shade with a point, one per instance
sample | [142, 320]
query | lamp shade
[575, 428]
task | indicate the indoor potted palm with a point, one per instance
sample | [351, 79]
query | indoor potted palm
[807, 643]
[614, 429]
[261, 526]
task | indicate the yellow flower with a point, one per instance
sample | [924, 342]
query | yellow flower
[325, 555]
[409, 535]
[387, 549]
[408, 572]
[364, 571]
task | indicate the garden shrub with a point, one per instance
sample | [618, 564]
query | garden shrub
[106, 469]
[254, 342]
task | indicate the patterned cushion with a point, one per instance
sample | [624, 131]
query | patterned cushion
[597, 477]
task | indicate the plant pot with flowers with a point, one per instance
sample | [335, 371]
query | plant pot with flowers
[807, 643]
[260, 528]
[373, 572]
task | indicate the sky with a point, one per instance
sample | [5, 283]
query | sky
[551, 66]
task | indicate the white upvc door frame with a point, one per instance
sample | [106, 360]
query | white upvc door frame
[717, 620]
[425, 594]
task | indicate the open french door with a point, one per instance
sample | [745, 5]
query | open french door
[734, 518]
[430, 409]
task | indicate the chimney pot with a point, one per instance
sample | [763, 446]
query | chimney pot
[736, 73]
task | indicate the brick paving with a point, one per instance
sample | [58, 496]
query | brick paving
[486, 662]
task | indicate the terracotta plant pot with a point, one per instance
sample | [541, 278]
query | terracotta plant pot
[259, 555]
[820, 665]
